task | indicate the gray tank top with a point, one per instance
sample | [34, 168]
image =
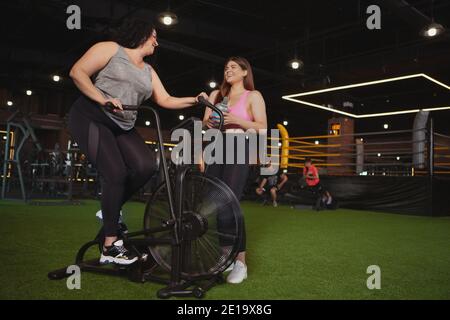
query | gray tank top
[123, 80]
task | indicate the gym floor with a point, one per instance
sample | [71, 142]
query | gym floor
[292, 254]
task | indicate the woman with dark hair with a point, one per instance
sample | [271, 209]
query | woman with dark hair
[246, 110]
[114, 72]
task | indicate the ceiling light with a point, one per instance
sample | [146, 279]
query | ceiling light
[296, 64]
[433, 29]
[212, 84]
[168, 18]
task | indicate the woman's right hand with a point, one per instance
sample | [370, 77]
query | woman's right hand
[115, 102]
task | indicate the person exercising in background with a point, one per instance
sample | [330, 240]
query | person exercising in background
[272, 184]
[115, 73]
[312, 179]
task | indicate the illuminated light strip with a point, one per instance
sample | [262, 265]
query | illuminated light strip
[292, 96]
[355, 85]
[383, 114]
[437, 108]
[319, 106]
[435, 81]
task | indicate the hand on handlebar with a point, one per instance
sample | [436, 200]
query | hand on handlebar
[115, 103]
[202, 94]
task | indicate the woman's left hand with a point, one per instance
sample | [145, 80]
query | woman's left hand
[229, 118]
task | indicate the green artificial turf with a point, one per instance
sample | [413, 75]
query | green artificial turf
[292, 254]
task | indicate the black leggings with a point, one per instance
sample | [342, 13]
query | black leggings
[235, 176]
[121, 157]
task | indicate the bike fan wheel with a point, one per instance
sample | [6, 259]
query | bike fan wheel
[211, 226]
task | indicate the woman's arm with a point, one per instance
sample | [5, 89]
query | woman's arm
[165, 100]
[258, 108]
[95, 59]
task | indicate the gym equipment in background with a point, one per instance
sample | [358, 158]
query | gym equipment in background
[19, 125]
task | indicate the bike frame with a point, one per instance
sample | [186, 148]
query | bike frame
[176, 285]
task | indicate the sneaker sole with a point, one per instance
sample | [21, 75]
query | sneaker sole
[108, 259]
[231, 282]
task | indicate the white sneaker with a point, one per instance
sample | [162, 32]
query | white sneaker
[275, 204]
[238, 274]
[230, 267]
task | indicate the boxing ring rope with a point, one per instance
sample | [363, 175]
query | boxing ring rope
[442, 153]
[369, 153]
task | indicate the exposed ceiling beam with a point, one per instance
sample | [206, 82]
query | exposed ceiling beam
[408, 13]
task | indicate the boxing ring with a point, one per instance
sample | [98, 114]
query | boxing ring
[399, 171]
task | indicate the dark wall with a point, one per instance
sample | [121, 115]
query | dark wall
[404, 195]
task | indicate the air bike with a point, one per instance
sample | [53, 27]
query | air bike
[192, 227]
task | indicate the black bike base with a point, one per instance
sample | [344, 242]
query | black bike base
[190, 288]
[143, 271]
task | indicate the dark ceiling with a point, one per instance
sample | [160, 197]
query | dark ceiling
[330, 37]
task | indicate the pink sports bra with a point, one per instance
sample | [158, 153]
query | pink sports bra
[240, 110]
